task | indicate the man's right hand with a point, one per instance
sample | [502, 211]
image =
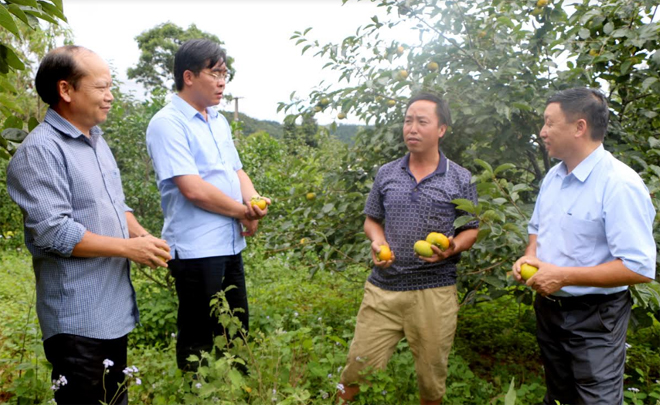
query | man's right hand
[375, 248]
[148, 250]
[533, 260]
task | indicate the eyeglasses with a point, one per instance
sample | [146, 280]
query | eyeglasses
[217, 75]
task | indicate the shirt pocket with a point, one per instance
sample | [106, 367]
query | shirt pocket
[580, 238]
[441, 217]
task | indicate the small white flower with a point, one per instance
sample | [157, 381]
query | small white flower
[267, 316]
[295, 314]
[633, 389]
[274, 391]
[358, 358]
[384, 392]
[63, 380]
[329, 375]
[320, 319]
[127, 371]
[339, 369]
[54, 387]
[340, 387]
[138, 381]
[324, 394]
[198, 385]
[628, 346]
[173, 335]
[108, 363]
[135, 369]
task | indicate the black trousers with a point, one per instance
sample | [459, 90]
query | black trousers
[582, 342]
[80, 360]
[197, 281]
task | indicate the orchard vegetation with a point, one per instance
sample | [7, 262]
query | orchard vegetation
[496, 62]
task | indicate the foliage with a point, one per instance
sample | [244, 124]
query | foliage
[22, 38]
[155, 70]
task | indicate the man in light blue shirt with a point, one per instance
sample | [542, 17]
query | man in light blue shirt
[205, 196]
[590, 237]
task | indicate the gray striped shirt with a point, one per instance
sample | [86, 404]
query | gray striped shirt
[65, 184]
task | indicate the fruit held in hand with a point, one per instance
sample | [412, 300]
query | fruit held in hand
[384, 254]
[423, 248]
[439, 240]
[527, 271]
[258, 202]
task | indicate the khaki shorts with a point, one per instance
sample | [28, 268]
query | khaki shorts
[426, 318]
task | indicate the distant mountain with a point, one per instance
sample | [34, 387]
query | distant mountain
[345, 133]
[252, 125]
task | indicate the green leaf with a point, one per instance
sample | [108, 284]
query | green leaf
[522, 106]
[648, 82]
[30, 3]
[510, 398]
[584, 33]
[483, 233]
[504, 167]
[52, 10]
[485, 165]
[9, 103]
[461, 221]
[626, 65]
[6, 84]
[608, 28]
[18, 12]
[327, 208]
[32, 123]
[7, 21]
[10, 57]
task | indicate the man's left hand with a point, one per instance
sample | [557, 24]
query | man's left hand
[547, 280]
[249, 227]
[439, 255]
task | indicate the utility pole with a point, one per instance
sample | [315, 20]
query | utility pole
[236, 108]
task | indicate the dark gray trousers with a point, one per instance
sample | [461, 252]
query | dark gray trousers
[582, 342]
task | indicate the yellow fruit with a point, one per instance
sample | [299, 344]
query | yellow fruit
[399, 50]
[593, 52]
[341, 115]
[303, 241]
[324, 102]
[391, 103]
[527, 271]
[403, 74]
[541, 3]
[423, 248]
[258, 202]
[432, 66]
[482, 34]
[317, 109]
[384, 254]
[310, 196]
[439, 240]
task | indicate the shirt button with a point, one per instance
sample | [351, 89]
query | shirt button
[415, 189]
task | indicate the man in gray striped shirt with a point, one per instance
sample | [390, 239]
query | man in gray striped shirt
[80, 232]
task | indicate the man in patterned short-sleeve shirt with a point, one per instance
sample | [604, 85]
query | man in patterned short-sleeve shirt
[411, 296]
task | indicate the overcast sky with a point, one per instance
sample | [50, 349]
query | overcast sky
[256, 33]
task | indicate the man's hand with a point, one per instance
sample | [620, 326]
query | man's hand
[547, 280]
[148, 250]
[249, 227]
[253, 212]
[375, 249]
[532, 260]
[438, 254]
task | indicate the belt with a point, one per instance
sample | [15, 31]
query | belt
[582, 300]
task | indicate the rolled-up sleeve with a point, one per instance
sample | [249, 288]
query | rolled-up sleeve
[37, 182]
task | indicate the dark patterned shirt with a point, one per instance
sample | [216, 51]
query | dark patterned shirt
[66, 184]
[412, 210]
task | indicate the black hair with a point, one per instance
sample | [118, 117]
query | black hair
[195, 55]
[584, 103]
[441, 106]
[58, 64]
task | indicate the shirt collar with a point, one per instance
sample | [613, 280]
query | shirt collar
[443, 164]
[65, 127]
[189, 111]
[583, 170]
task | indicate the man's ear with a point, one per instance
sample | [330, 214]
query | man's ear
[187, 77]
[442, 129]
[65, 89]
[581, 127]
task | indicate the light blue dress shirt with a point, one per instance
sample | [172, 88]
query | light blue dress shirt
[66, 184]
[600, 212]
[181, 142]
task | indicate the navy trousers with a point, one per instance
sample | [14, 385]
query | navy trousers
[80, 360]
[197, 281]
[582, 342]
